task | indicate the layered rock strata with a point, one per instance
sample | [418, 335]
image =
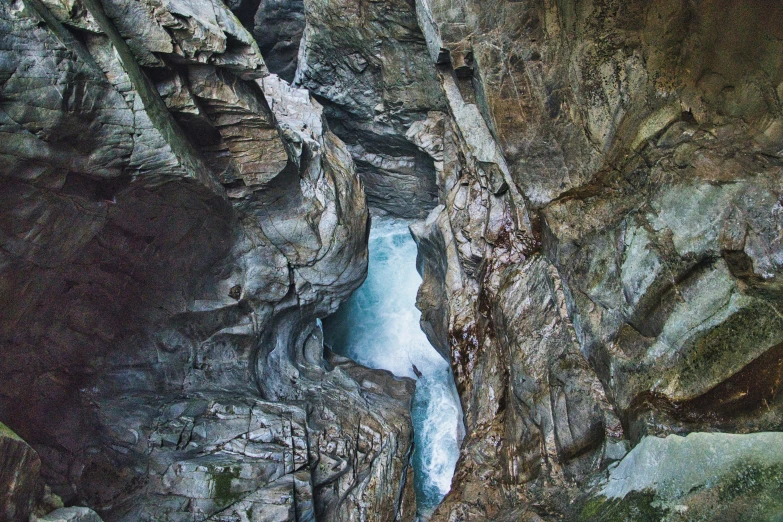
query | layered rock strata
[601, 259]
[174, 220]
[605, 266]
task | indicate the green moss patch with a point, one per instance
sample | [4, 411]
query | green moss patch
[222, 478]
[717, 352]
[7, 432]
[753, 480]
[635, 507]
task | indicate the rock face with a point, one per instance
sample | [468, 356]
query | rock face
[23, 493]
[71, 514]
[278, 26]
[601, 254]
[367, 62]
[606, 262]
[738, 478]
[174, 220]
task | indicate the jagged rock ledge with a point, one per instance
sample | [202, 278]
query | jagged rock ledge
[174, 221]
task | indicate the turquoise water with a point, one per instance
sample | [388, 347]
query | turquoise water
[379, 327]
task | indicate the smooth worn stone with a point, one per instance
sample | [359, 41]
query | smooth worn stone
[71, 514]
[174, 222]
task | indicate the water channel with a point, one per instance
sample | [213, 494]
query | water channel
[379, 328]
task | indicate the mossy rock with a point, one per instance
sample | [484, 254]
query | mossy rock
[704, 477]
[7, 432]
[222, 478]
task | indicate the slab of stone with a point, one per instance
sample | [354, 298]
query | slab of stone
[673, 466]
[21, 487]
[71, 514]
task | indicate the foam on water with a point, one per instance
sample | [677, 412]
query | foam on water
[379, 327]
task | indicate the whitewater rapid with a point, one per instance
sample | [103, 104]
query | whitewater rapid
[379, 328]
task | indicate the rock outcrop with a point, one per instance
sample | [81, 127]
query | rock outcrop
[605, 266]
[367, 62]
[71, 514]
[277, 27]
[23, 493]
[658, 479]
[174, 220]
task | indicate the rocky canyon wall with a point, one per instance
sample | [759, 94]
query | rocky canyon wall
[604, 268]
[601, 253]
[174, 219]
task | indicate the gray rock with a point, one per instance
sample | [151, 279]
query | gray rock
[277, 27]
[601, 255]
[172, 229]
[578, 138]
[664, 465]
[738, 476]
[22, 489]
[369, 63]
[71, 514]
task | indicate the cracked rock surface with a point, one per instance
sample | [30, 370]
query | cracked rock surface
[174, 220]
[600, 234]
[605, 264]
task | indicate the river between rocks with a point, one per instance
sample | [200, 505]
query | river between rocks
[379, 328]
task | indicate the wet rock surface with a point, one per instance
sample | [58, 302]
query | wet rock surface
[605, 264]
[600, 191]
[174, 220]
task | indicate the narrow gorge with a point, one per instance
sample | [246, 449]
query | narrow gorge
[217, 216]
[379, 328]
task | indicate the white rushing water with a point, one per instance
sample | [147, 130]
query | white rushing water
[379, 327]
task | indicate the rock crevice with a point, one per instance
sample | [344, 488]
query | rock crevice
[599, 188]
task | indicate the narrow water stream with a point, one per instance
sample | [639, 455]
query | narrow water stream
[379, 327]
